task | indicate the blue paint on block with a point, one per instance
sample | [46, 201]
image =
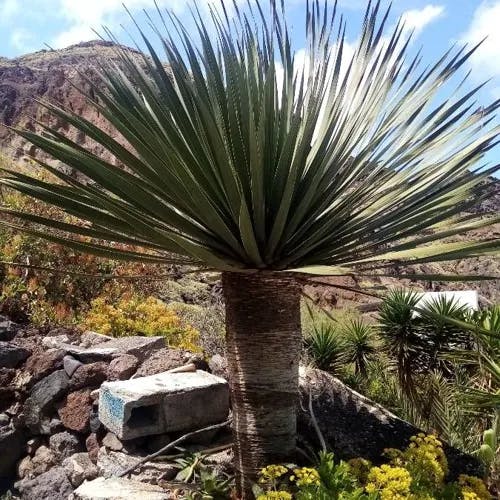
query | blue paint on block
[114, 405]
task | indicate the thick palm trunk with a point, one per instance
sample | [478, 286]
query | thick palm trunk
[263, 347]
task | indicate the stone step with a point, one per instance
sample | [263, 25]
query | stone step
[162, 403]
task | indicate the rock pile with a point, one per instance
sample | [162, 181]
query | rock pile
[51, 436]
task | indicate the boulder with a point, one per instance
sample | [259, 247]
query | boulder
[43, 396]
[75, 411]
[70, 365]
[42, 364]
[8, 329]
[337, 408]
[12, 355]
[118, 489]
[79, 468]
[163, 360]
[122, 367]
[12, 440]
[218, 366]
[112, 463]
[51, 485]
[90, 375]
[140, 347]
[54, 342]
[157, 404]
[64, 444]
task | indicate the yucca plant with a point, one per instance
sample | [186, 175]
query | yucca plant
[418, 337]
[361, 345]
[243, 161]
[326, 347]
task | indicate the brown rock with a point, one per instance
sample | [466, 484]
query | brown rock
[122, 367]
[42, 364]
[163, 360]
[75, 411]
[91, 375]
[92, 446]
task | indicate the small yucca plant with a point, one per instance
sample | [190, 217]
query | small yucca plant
[326, 347]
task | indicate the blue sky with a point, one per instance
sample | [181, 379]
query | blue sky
[26, 25]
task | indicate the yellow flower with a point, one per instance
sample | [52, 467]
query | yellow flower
[275, 495]
[272, 472]
[425, 458]
[392, 483]
[305, 476]
[473, 488]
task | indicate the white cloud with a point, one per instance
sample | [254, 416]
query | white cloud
[8, 9]
[22, 40]
[417, 19]
[84, 17]
[484, 24]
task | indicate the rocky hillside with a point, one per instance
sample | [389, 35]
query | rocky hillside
[53, 75]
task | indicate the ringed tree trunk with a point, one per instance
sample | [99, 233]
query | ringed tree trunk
[263, 348]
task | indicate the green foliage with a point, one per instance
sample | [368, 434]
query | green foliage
[361, 345]
[206, 484]
[416, 473]
[326, 347]
[416, 338]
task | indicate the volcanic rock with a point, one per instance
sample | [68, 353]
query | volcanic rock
[75, 411]
[122, 367]
[12, 355]
[64, 444]
[52, 485]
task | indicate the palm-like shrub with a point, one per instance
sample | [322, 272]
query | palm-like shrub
[361, 345]
[418, 337]
[326, 347]
[243, 161]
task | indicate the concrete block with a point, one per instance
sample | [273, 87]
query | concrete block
[162, 403]
[116, 488]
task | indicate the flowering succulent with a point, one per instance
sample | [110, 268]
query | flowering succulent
[425, 458]
[275, 495]
[305, 476]
[392, 483]
[473, 488]
[417, 473]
